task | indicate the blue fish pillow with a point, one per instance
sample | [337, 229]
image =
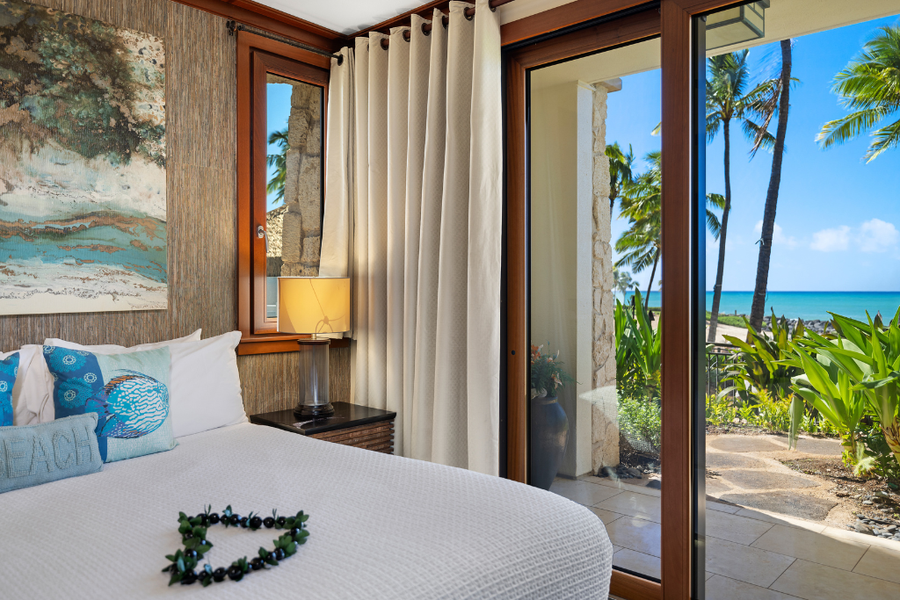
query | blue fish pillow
[129, 392]
[9, 368]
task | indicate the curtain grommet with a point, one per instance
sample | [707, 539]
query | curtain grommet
[427, 32]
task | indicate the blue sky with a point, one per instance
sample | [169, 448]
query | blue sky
[838, 219]
[278, 100]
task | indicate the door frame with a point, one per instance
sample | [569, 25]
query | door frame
[603, 25]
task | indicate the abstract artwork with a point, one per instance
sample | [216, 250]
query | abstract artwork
[82, 164]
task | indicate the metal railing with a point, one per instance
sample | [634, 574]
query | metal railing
[719, 357]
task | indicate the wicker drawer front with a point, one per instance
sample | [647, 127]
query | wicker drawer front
[377, 436]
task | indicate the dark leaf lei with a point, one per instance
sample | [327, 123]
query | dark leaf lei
[183, 563]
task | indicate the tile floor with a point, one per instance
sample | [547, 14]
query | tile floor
[750, 554]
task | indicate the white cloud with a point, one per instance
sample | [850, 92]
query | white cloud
[874, 235]
[878, 236]
[831, 240]
[778, 237]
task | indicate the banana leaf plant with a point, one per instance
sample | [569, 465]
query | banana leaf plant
[759, 362]
[864, 362]
[638, 346]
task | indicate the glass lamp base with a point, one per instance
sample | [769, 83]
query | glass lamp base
[305, 411]
[314, 401]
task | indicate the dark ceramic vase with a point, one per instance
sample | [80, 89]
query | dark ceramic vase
[549, 434]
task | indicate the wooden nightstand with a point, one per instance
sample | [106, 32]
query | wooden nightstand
[351, 425]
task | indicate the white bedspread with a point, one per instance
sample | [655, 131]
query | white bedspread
[380, 527]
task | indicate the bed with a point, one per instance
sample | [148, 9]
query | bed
[382, 527]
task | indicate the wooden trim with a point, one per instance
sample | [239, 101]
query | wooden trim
[698, 7]
[516, 149]
[626, 585]
[676, 301]
[634, 28]
[404, 19]
[273, 21]
[630, 29]
[561, 17]
[256, 56]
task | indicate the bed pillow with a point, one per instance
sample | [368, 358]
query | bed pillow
[35, 454]
[35, 404]
[9, 368]
[129, 392]
[205, 387]
[114, 349]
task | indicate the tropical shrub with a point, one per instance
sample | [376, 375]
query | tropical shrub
[640, 420]
[853, 376]
[638, 352]
[758, 365]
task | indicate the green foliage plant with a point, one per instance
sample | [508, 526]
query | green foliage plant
[547, 374]
[640, 420]
[638, 350]
[854, 374]
[758, 364]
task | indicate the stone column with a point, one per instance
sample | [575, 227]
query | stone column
[604, 415]
[302, 187]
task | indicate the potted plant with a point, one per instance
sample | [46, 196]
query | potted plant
[549, 424]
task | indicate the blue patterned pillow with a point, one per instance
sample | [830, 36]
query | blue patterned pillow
[36, 454]
[9, 368]
[129, 392]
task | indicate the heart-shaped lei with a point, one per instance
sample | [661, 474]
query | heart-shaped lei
[193, 535]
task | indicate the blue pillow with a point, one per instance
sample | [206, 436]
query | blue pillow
[129, 392]
[35, 454]
[9, 368]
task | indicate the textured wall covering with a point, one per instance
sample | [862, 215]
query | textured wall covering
[201, 118]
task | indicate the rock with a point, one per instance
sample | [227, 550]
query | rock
[867, 503]
[891, 528]
[654, 484]
[607, 472]
[863, 528]
[841, 494]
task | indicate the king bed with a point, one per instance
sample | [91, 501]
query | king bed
[380, 526]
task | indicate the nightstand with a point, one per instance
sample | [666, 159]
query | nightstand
[351, 425]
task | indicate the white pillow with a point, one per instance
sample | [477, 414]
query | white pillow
[204, 384]
[33, 387]
[38, 382]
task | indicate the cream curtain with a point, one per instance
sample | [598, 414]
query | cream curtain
[420, 209]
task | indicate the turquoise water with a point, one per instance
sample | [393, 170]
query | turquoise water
[133, 249]
[805, 305]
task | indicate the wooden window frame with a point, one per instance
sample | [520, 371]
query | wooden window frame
[256, 57]
[671, 20]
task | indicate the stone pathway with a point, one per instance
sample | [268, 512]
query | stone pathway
[746, 472]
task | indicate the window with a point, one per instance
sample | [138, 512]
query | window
[282, 100]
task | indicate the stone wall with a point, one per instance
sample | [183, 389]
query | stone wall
[604, 411]
[301, 216]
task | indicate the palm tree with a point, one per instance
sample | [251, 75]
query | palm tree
[870, 87]
[619, 171]
[623, 282]
[276, 184]
[640, 204]
[775, 102]
[726, 100]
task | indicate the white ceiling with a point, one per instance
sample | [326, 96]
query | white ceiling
[350, 16]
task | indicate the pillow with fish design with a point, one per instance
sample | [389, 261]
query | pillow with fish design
[129, 393]
[9, 368]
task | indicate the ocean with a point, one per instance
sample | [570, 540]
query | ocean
[804, 305]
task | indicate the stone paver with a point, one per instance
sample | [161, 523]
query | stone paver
[812, 581]
[730, 460]
[788, 503]
[766, 480]
[746, 443]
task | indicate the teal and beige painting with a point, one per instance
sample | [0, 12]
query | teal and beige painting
[82, 164]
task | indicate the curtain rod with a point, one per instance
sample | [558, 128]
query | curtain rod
[445, 20]
[234, 26]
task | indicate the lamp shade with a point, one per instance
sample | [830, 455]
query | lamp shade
[315, 305]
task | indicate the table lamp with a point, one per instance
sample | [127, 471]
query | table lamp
[313, 305]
